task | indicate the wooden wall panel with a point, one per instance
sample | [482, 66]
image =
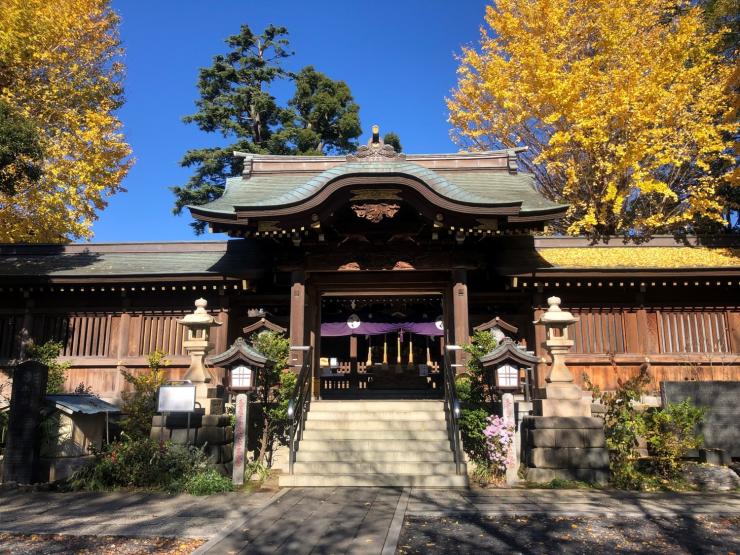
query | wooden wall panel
[598, 330]
[693, 331]
[10, 326]
[733, 331]
[606, 375]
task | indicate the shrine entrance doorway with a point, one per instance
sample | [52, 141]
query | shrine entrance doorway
[381, 346]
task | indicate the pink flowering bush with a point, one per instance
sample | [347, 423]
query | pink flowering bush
[499, 438]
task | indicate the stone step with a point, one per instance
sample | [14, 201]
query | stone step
[406, 455]
[410, 435]
[376, 425]
[374, 480]
[377, 415]
[373, 445]
[376, 406]
[402, 467]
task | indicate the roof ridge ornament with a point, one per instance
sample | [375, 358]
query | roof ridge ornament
[247, 162]
[375, 150]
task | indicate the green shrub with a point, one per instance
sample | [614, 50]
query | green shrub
[623, 426]
[207, 482]
[670, 434]
[476, 404]
[258, 468]
[146, 463]
[140, 405]
[47, 354]
[269, 421]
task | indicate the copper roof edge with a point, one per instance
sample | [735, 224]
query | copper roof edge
[447, 155]
[9, 249]
[716, 241]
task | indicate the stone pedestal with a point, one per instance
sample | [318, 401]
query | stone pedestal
[212, 433]
[568, 448]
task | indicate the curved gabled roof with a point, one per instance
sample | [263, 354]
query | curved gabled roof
[469, 186]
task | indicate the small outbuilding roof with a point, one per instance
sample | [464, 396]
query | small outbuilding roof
[508, 350]
[81, 404]
[240, 351]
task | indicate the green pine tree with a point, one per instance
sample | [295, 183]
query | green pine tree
[235, 101]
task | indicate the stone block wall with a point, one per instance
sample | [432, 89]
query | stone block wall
[568, 448]
[211, 432]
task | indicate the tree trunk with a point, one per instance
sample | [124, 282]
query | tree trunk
[264, 441]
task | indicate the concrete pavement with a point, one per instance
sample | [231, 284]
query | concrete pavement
[325, 520]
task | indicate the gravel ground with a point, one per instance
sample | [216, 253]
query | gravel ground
[546, 535]
[57, 544]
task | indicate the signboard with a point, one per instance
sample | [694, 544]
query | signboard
[176, 398]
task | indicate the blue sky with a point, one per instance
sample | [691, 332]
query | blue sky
[398, 59]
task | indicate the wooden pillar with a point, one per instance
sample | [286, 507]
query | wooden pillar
[297, 316]
[460, 312]
[541, 368]
[26, 332]
[312, 336]
[124, 329]
[222, 336]
[733, 322]
[353, 362]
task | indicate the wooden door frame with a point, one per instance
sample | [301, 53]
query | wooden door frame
[370, 284]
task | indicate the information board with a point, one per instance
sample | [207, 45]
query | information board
[176, 398]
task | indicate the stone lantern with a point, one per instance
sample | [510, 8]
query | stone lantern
[196, 343]
[562, 396]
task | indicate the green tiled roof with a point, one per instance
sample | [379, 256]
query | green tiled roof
[482, 187]
[130, 260]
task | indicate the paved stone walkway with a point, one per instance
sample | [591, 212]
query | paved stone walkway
[554, 502]
[316, 521]
[125, 514]
[323, 520]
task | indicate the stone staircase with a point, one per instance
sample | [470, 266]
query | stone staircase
[375, 443]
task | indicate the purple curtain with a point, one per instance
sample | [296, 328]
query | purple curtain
[339, 329]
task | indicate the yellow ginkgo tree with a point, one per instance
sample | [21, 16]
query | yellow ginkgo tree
[60, 71]
[623, 106]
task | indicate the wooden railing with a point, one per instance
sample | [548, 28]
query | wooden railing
[299, 404]
[452, 408]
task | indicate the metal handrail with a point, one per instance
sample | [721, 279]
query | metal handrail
[452, 408]
[299, 404]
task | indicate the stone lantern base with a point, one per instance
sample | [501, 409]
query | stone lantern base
[567, 448]
[562, 440]
[562, 399]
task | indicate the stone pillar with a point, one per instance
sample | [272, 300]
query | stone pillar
[240, 439]
[27, 397]
[512, 462]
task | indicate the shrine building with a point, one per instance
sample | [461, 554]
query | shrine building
[379, 261]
